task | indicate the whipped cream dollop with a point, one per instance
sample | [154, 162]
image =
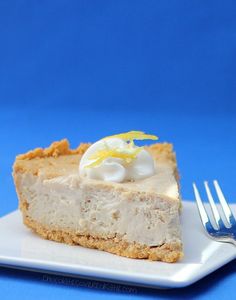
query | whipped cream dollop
[116, 160]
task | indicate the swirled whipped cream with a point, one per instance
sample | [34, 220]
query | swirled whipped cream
[118, 159]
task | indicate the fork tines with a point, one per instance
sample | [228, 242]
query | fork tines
[224, 205]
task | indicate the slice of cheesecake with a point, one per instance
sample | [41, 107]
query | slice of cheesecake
[136, 219]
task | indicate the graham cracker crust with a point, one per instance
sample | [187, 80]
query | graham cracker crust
[54, 150]
[164, 150]
[60, 152]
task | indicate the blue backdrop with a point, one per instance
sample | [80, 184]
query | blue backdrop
[86, 69]
[137, 55]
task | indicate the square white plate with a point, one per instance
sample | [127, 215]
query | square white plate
[21, 248]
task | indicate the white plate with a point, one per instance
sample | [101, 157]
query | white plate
[21, 248]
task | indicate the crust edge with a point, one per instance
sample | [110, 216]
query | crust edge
[56, 149]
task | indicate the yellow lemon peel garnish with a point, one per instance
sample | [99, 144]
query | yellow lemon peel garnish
[101, 155]
[128, 156]
[133, 135]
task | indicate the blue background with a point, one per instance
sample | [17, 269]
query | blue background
[86, 69]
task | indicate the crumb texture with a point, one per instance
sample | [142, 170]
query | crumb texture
[54, 150]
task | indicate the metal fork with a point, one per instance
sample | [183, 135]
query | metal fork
[220, 232]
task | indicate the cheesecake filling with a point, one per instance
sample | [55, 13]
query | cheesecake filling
[118, 159]
[136, 217]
